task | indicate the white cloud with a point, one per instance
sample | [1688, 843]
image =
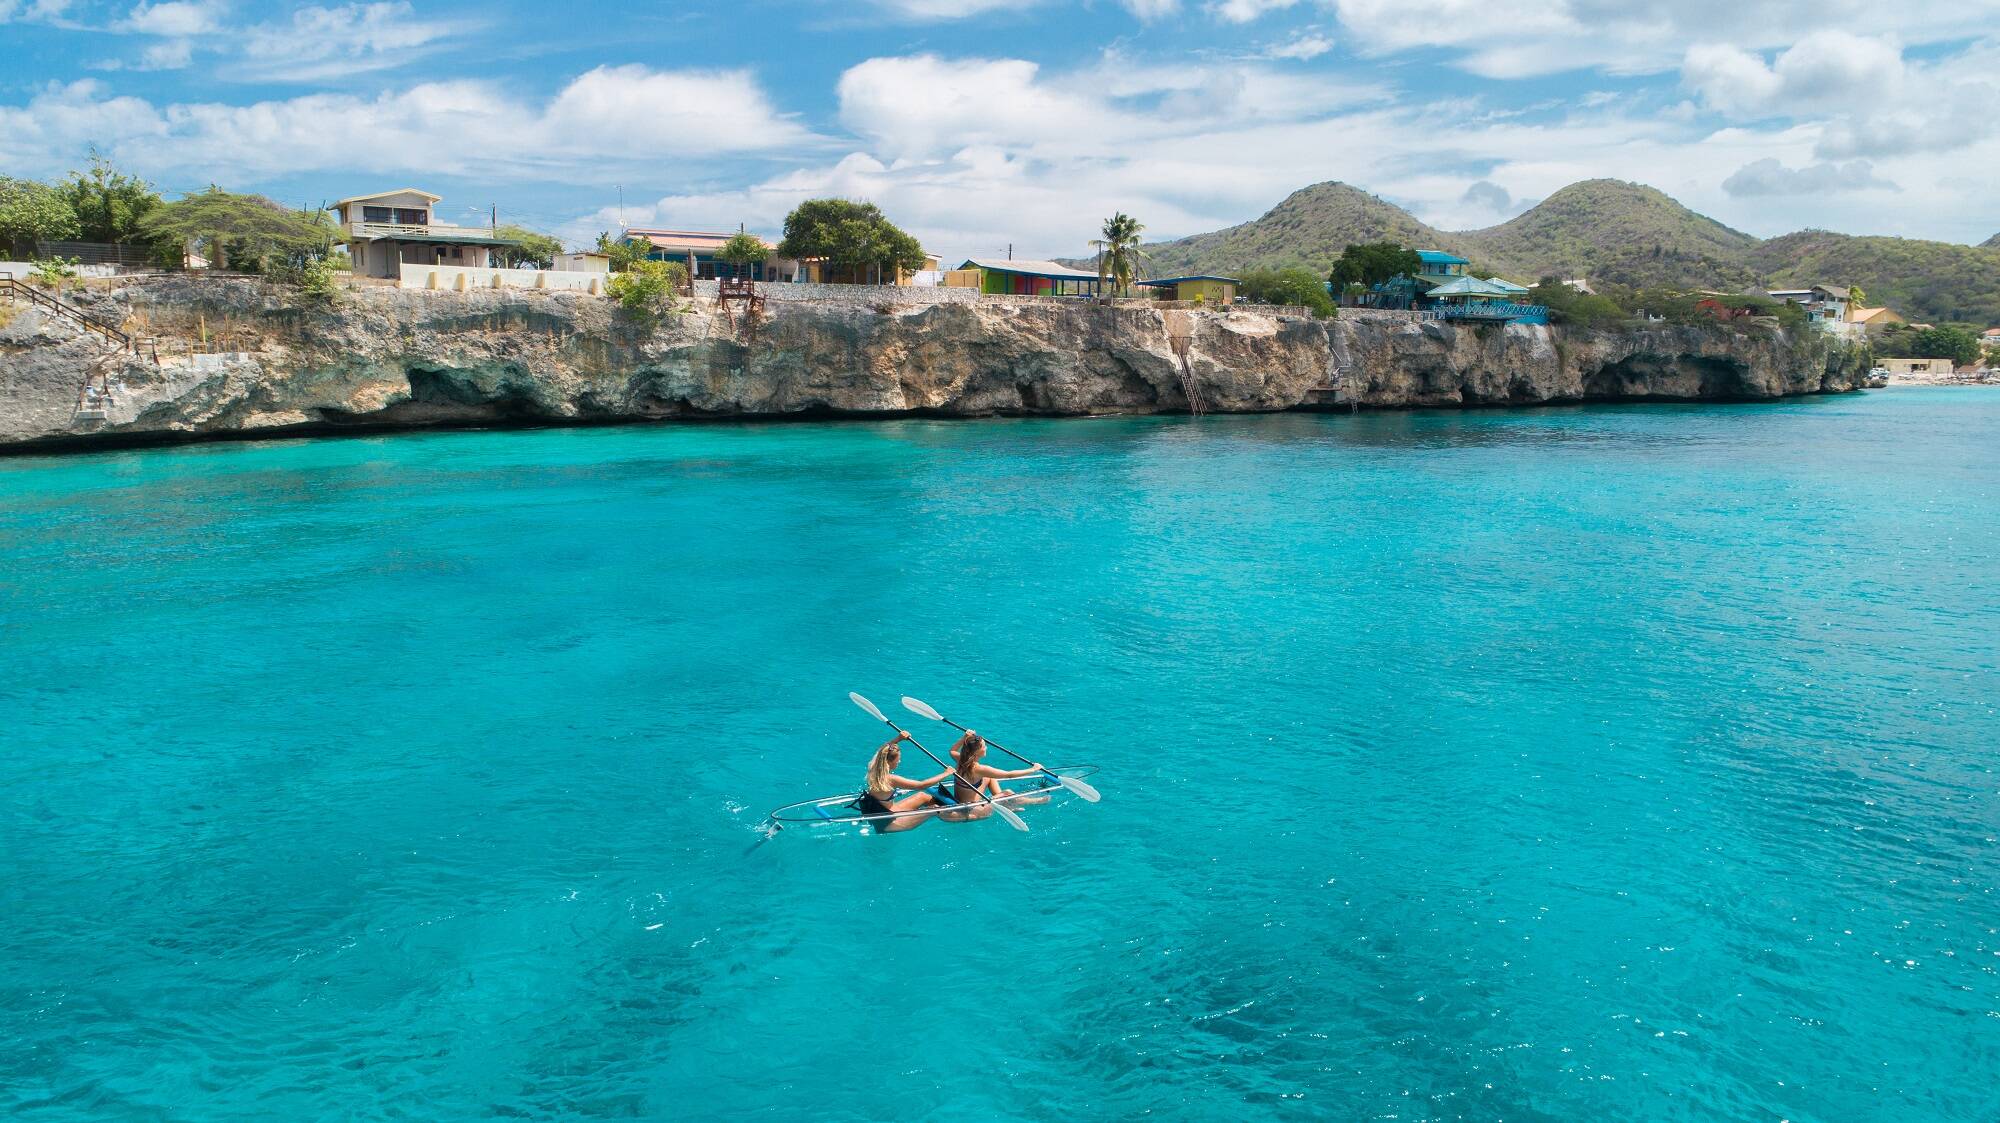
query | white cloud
[1825, 70]
[1771, 177]
[1621, 37]
[1864, 96]
[173, 18]
[611, 116]
[173, 54]
[1302, 46]
[928, 10]
[1246, 11]
[319, 43]
[32, 11]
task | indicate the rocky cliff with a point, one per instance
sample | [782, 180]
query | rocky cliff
[238, 358]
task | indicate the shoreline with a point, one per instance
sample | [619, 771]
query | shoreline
[391, 360]
[83, 444]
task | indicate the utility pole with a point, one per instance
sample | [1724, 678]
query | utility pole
[621, 209]
[495, 218]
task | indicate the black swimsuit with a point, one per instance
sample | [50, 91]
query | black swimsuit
[870, 805]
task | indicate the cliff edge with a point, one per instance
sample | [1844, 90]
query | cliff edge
[234, 358]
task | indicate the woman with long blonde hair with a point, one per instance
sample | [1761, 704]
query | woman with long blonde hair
[878, 792]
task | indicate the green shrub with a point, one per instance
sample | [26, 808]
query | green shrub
[1568, 306]
[1291, 285]
[316, 281]
[646, 288]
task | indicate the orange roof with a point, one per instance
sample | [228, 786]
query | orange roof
[696, 240]
[1863, 315]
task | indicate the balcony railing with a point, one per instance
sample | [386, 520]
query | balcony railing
[395, 229]
[1487, 312]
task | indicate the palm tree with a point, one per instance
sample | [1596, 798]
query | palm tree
[1121, 250]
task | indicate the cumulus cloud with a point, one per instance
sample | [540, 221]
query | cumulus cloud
[1770, 176]
[1867, 98]
[610, 115]
[1831, 68]
[173, 18]
[1621, 37]
[1246, 11]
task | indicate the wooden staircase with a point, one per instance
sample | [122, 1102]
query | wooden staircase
[36, 298]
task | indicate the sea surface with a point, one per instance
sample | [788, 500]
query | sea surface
[1587, 763]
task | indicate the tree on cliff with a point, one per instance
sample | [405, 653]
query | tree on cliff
[249, 231]
[646, 288]
[530, 247]
[856, 241]
[623, 252]
[1119, 254]
[743, 250]
[1566, 305]
[31, 213]
[1293, 284]
[1371, 263]
[109, 204]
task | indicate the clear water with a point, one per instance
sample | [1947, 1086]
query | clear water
[1582, 763]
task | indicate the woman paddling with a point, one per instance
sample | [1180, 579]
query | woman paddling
[974, 782]
[878, 794]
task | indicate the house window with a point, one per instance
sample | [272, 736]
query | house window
[378, 214]
[412, 216]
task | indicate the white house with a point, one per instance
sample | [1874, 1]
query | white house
[390, 229]
[1828, 307]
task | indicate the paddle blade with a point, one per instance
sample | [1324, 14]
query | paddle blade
[1083, 791]
[1008, 814]
[921, 709]
[866, 705]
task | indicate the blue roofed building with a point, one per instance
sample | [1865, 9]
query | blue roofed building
[1440, 267]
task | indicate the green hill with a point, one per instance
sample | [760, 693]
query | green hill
[1623, 232]
[1309, 228]
[1922, 281]
[1615, 231]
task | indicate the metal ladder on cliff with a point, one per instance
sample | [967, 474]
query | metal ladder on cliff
[1180, 335]
[96, 396]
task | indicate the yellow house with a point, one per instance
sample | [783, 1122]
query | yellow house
[1207, 289]
[1873, 320]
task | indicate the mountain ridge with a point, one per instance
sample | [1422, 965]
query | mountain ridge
[1613, 230]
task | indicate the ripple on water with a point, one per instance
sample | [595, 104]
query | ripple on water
[1580, 763]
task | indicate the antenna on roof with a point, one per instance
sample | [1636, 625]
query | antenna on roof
[621, 208]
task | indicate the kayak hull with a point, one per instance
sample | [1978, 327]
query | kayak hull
[843, 811]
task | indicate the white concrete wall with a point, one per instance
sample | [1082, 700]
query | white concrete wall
[453, 278]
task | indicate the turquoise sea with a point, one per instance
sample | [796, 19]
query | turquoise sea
[1596, 763]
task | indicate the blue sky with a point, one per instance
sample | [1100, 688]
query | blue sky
[978, 123]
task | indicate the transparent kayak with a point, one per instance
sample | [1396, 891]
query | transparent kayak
[839, 811]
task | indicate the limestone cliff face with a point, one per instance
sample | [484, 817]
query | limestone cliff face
[387, 358]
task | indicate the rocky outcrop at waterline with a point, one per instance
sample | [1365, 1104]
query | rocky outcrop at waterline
[239, 358]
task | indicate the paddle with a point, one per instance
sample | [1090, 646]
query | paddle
[1083, 790]
[1005, 812]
